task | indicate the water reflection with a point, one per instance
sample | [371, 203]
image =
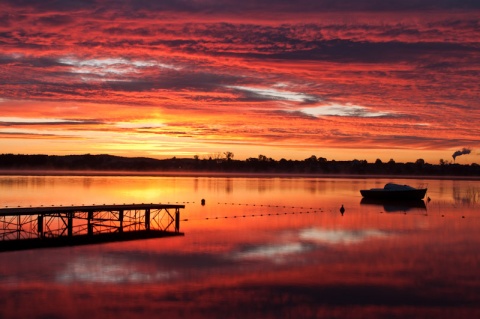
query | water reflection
[392, 206]
[109, 270]
[292, 255]
[341, 236]
[469, 196]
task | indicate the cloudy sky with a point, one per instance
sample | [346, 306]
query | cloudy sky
[345, 79]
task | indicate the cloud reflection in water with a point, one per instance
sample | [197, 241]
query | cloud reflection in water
[274, 252]
[123, 269]
[113, 271]
[340, 236]
[307, 239]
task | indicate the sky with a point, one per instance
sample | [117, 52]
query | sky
[343, 80]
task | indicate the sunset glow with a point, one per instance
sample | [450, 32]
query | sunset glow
[350, 79]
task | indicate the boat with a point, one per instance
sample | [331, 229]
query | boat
[392, 191]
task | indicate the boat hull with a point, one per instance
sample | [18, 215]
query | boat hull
[381, 194]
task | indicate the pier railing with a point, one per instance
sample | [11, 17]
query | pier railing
[72, 222]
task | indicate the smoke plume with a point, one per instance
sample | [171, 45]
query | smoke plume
[464, 151]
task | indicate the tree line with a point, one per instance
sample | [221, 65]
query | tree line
[225, 162]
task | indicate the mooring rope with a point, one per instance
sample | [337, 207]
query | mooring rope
[309, 210]
[247, 216]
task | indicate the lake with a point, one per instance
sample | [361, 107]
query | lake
[260, 247]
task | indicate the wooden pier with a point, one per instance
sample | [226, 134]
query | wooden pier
[32, 227]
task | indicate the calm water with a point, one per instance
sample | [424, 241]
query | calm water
[259, 248]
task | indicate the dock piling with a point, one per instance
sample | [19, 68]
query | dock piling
[120, 219]
[40, 226]
[147, 219]
[89, 223]
[177, 220]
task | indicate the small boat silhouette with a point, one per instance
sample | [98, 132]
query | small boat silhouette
[393, 191]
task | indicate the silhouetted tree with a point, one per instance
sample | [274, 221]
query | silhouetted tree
[444, 162]
[311, 159]
[228, 155]
[262, 158]
[420, 162]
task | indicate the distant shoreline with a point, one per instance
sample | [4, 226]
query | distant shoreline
[107, 173]
[108, 165]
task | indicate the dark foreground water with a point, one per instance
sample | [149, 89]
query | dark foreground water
[259, 248]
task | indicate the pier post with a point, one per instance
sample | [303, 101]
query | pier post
[177, 220]
[89, 223]
[147, 219]
[120, 219]
[70, 224]
[40, 226]
[19, 227]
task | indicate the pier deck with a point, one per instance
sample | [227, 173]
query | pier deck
[29, 227]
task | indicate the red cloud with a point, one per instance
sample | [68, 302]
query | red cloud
[159, 62]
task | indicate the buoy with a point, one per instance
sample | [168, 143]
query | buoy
[342, 210]
[203, 202]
